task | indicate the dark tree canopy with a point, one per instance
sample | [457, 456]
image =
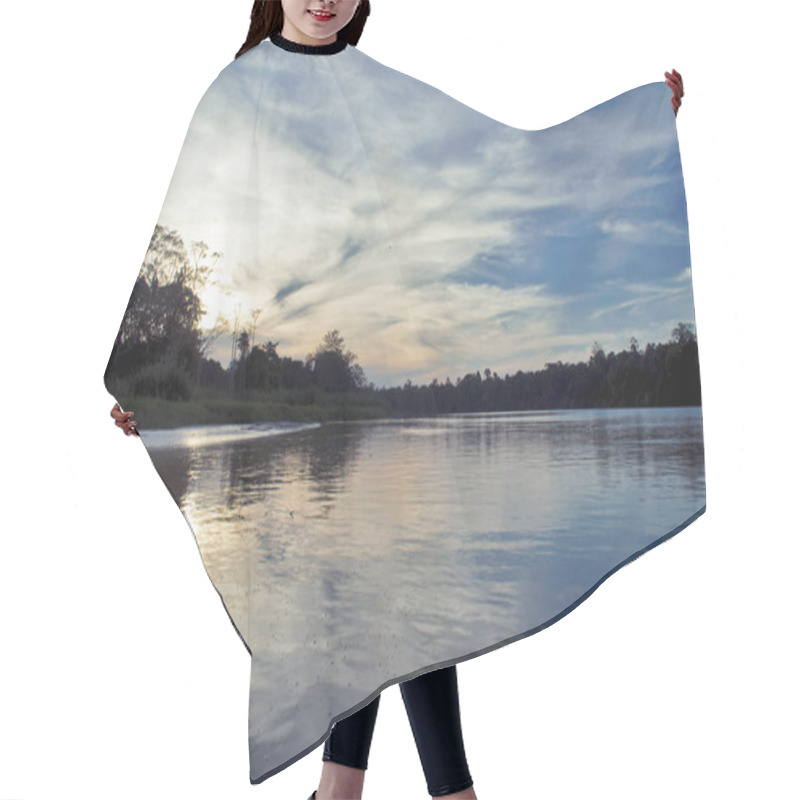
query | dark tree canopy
[161, 351]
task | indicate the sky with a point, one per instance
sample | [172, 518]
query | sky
[342, 194]
[115, 641]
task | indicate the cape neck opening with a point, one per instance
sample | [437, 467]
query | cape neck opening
[309, 49]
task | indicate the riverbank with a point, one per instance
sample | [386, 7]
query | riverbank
[153, 413]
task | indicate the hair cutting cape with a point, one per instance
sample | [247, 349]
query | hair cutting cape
[419, 381]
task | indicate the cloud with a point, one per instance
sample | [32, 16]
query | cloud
[434, 238]
[289, 288]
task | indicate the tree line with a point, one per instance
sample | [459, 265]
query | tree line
[161, 352]
[665, 374]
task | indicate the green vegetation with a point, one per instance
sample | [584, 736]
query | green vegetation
[666, 374]
[279, 406]
[159, 366]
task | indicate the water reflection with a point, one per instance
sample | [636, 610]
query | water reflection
[353, 553]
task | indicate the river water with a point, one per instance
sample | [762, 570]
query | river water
[351, 555]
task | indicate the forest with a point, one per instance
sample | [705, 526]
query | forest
[160, 359]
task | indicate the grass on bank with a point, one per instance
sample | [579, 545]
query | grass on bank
[278, 406]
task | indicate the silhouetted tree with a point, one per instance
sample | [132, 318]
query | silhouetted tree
[333, 368]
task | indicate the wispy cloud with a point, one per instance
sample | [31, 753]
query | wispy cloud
[346, 195]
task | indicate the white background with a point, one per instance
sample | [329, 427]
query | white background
[120, 674]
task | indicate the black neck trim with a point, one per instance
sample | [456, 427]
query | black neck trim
[309, 49]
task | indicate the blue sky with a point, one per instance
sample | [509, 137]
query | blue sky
[343, 194]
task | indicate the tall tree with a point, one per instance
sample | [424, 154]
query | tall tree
[333, 367]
